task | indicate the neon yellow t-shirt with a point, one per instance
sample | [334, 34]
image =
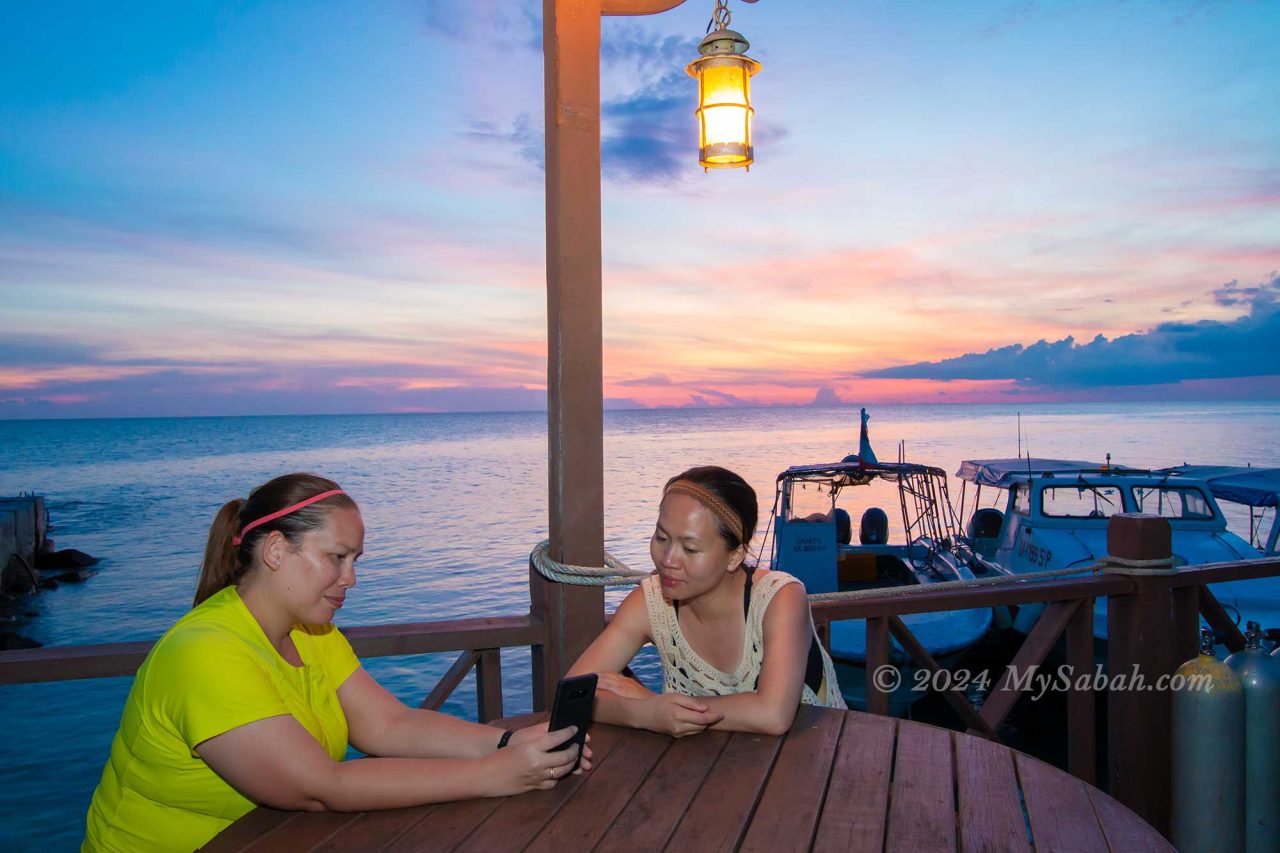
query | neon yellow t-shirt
[211, 672]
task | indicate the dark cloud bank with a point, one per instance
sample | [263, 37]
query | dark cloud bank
[1168, 353]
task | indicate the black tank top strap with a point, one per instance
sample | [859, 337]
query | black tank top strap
[748, 571]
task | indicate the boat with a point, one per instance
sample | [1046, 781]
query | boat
[812, 539]
[1052, 514]
[1255, 488]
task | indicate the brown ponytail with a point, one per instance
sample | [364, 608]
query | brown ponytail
[226, 563]
[221, 566]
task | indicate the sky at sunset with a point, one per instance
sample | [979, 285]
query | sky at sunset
[283, 207]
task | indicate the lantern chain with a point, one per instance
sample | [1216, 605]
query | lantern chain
[721, 17]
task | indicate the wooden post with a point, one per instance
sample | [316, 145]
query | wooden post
[877, 658]
[1082, 736]
[1139, 644]
[489, 685]
[573, 615]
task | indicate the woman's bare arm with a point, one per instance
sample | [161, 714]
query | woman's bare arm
[380, 724]
[276, 762]
[671, 713]
[772, 707]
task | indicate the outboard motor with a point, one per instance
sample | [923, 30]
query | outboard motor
[875, 527]
[986, 523]
[844, 527]
[1259, 675]
[1208, 754]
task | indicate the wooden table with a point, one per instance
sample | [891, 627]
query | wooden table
[839, 780]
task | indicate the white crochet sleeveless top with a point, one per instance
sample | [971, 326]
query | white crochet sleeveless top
[685, 672]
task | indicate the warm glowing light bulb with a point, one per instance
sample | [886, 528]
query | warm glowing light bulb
[724, 109]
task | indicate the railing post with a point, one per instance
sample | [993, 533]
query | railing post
[1082, 735]
[1139, 646]
[489, 685]
[877, 658]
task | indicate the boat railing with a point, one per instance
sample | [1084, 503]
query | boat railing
[479, 641]
[1152, 627]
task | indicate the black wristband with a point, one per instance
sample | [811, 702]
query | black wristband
[505, 739]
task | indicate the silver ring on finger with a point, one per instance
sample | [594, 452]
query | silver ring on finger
[551, 772]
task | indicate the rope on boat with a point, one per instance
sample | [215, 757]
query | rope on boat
[614, 573]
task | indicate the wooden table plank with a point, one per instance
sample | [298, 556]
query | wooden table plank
[248, 829]
[718, 817]
[649, 819]
[303, 835]
[375, 830]
[517, 820]
[584, 820]
[445, 827]
[987, 795]
[787, 815]
[1123, 829]
[1058, 806]
[854, 812]
[922, 811]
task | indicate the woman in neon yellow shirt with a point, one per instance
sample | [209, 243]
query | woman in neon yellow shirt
[252, 696]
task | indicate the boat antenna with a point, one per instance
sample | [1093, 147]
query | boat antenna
[1019, 435]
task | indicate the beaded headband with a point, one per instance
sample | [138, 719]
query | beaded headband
[707, 498]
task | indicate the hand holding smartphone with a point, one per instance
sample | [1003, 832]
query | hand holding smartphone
[575, 698]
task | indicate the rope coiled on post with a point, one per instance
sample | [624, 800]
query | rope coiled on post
[1110, 565]
[613, 573]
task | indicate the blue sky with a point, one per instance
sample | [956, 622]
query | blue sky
[237, 208]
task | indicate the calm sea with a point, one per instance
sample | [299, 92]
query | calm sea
[453, 504]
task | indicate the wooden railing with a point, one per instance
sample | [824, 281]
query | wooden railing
[479, 640]
[1152, 627]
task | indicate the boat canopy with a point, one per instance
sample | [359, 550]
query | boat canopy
[1250, 486]
[852, 471]
[1003, 473]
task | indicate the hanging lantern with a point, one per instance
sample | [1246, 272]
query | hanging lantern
[724, 72]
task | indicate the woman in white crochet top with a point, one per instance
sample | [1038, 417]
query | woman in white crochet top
[737, 643]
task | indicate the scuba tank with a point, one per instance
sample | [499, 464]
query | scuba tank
[1208, 754]
[1259, 675]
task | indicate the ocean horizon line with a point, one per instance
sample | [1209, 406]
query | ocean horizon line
[1028, 404]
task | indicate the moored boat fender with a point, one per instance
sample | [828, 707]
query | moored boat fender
[1208, 755]
[1259, 675]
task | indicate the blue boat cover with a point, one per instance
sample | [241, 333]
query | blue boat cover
[1249, 486]
[1002, 473]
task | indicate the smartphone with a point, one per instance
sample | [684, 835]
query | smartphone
[575, 697]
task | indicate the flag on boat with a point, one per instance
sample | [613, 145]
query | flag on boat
[865, 453]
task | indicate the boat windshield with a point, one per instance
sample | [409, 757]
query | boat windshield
[810, 501]
[1172, 502]
[1080, 501]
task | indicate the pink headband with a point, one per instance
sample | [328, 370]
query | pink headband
[236, 540]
